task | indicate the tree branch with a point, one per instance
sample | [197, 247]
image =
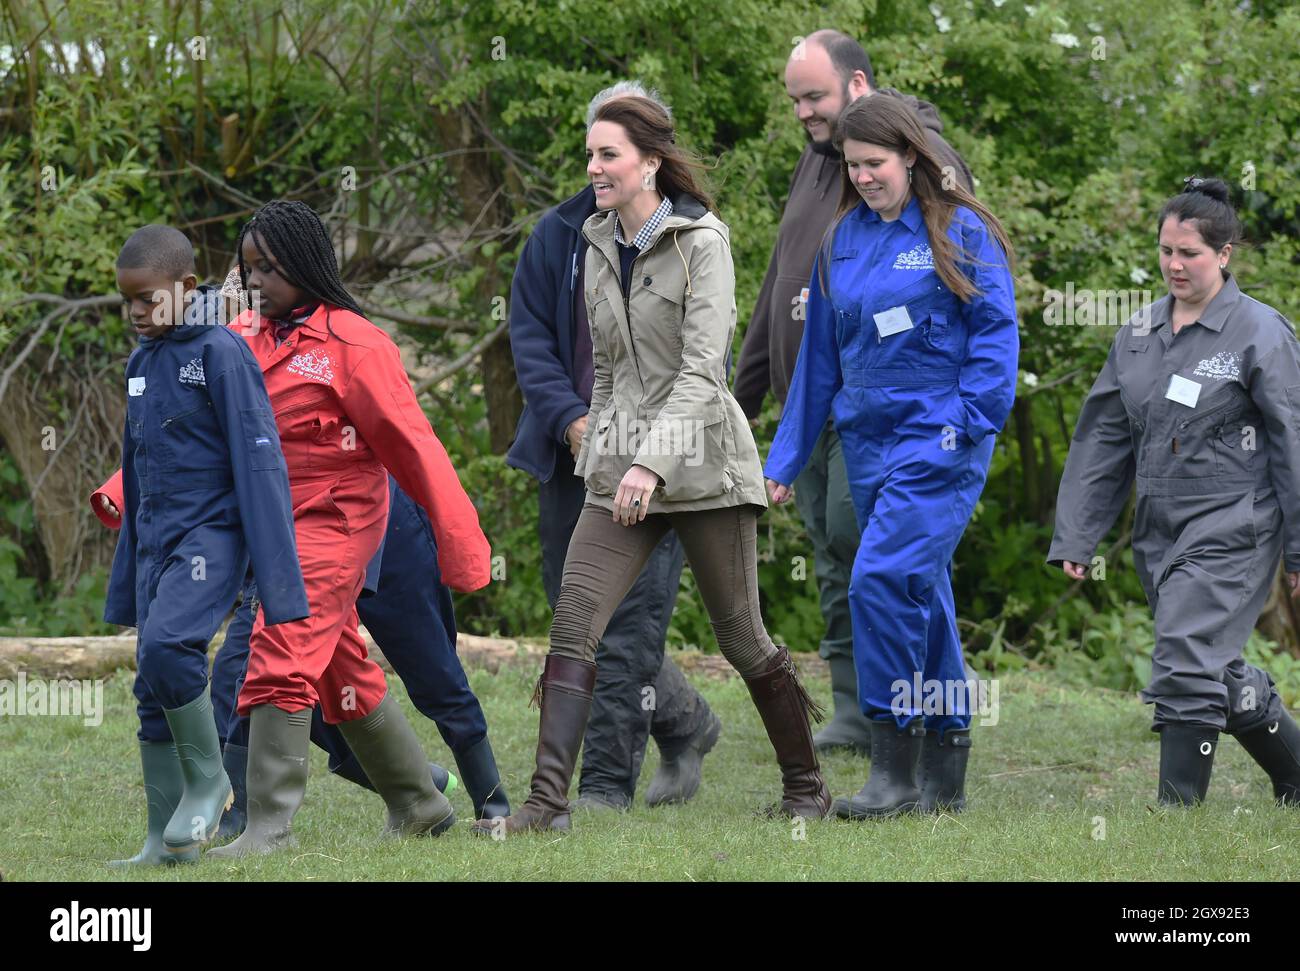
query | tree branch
[464, 360]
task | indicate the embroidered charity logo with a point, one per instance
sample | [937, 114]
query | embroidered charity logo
[191, 373]
[1224, 365]
[313, 365]
[919, 257]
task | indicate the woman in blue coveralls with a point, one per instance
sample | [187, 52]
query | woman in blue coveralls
[911, 343]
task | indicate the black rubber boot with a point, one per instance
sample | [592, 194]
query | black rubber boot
[848, 728]
[390, 754]
[678, 777]
[478, 770]
[235, 759]
[163, 787]
[1275, 745]
[891, 788]
[1186, 760]
[615, 802]
[943, 771]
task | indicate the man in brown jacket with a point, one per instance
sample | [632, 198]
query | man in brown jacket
[827, 71]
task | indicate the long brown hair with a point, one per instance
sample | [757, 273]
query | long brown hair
[891, 123]
[650, 129]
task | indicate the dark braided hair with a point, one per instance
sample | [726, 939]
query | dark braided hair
[297, 239]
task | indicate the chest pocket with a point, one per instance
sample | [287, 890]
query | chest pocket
[668, 303]
[297, 414]
[918, 296]
[600, 315]
[306, 399]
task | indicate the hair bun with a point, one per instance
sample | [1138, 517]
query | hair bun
[1214, 188]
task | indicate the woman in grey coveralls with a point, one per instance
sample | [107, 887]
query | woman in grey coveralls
[1199, 401]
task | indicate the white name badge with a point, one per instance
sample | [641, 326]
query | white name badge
[135, 387]
[1183, 391]
[895, 320]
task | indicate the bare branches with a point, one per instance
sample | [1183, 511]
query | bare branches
[66, 307]
[466, 359]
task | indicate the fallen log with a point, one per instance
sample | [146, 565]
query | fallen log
[98, 657]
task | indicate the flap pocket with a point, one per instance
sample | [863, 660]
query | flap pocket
[661, 286]
[922, 290]
[605, 418]
[300, 400]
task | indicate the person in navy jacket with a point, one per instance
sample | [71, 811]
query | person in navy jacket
[911, 342]
[552, 349]
[206, 492]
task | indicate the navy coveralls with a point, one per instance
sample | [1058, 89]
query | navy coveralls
[919, 384]
[205, 491]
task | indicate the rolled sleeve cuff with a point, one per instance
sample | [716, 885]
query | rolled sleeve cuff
[567, 418]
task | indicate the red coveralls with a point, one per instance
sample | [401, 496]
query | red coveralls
[345, 410]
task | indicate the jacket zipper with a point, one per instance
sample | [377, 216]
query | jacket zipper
[173, 418]
[1200, 418]
[627, 310]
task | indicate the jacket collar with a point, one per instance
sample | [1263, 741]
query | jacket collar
[202, 310]
[316, 324]
[1215, 314]
[573, 212]
[599, 229]
[910, 217]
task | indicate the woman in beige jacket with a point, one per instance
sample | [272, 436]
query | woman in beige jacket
[665, 446]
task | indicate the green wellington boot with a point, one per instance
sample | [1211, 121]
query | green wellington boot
[277, 780]
[208, 793]
[390, 754]
[163, 787]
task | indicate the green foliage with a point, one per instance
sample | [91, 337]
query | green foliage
[1078, 117]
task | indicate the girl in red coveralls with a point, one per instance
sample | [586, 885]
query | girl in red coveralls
[345, 410]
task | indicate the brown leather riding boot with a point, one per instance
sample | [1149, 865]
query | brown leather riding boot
[564, 691]
[785, 707]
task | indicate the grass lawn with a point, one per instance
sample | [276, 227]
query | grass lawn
[1062, 788]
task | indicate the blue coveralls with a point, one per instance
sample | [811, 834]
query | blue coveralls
[408, 611]
[917, 409]
[205, 491]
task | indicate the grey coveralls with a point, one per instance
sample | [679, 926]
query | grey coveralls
[1218, 492]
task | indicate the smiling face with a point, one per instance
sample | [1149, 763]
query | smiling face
[1190, 266]
[614, 165]
[269, 290]
[880, 176]
[817, 91]
[154, 302]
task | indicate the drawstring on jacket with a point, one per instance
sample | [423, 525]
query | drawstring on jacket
[685, 265]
